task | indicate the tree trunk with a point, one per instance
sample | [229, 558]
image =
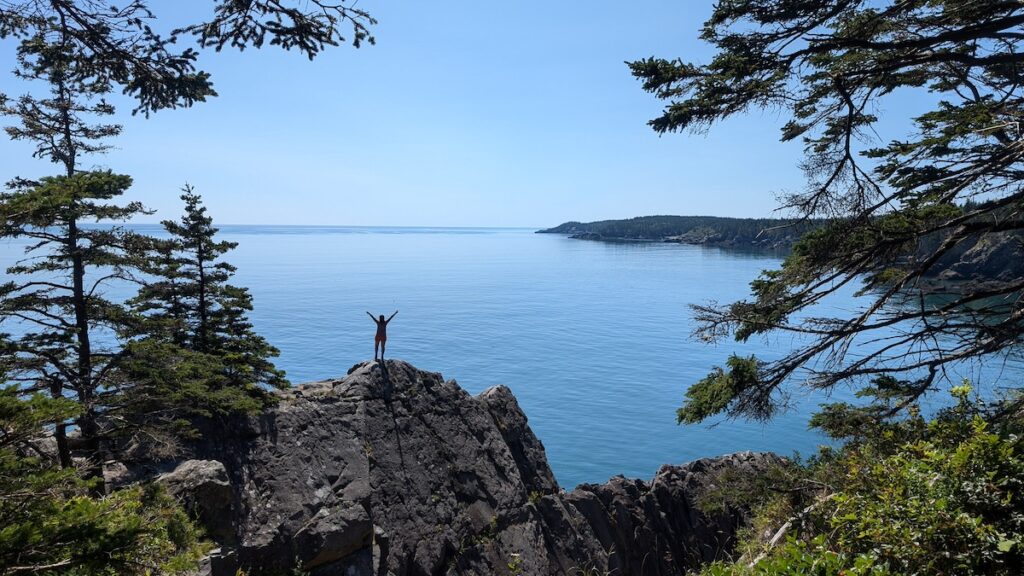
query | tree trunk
[83, 385]
[87, 424]
[202, 333]
[60, 433]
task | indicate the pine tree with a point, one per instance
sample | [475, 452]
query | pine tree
[72, 342]
[896, 212]
[246, 355]
[68, 328]
[196, 307]
[162, 299]
[201, 269]
[76, 357]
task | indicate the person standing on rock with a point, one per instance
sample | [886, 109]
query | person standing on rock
[381, 338]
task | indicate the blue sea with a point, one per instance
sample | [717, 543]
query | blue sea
[593, 338]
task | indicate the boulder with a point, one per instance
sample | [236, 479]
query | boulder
[300, 481]
[455, 478]
[202, 486]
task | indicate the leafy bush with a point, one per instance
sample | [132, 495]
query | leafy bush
[905, 497]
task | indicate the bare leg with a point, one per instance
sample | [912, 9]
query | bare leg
[382, 345]
[375, 345]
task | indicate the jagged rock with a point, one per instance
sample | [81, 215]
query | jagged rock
[656, 528]
[527, 450]
[392, 471]
[334, 534]
[301, 482]
[449, 488]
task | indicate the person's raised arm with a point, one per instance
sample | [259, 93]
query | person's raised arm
[371, 317]
[390, 317]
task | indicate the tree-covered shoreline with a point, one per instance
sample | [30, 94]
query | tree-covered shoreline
[977, 262]
[765, 233]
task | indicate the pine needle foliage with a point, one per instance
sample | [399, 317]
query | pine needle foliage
[67, 325]
[895, 213]
[191, 304]
[51, 520]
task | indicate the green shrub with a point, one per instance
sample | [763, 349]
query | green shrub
[905, 497]
[52, 521]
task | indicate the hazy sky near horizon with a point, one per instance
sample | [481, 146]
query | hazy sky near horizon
[465, 113]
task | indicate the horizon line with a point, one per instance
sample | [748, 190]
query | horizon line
[218, 225]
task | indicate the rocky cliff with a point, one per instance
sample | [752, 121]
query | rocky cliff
[394, 471]
[978, 262]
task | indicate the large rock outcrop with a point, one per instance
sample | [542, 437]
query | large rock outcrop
[394, 471]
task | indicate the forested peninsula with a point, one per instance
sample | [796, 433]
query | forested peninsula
[764, 233]
[978, 260]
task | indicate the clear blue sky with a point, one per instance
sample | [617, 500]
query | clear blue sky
[465, 113]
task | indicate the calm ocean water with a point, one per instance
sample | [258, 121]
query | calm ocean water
[593, 338]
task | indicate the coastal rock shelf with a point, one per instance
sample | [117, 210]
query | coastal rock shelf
[394, 471]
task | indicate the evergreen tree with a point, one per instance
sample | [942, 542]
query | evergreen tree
[194, 306]
[245, 354]
[71, 340]
[67, 343]
[897, 211]
[67, 327]
[162, 299]
[123, 39]
[201, 269]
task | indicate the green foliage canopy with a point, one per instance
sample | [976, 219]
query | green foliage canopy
[119, 44]
[81, 51]
[81, 359]
[190, 303]
[51, 524]
[57, 297]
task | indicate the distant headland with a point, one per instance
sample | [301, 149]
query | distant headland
[979, 260]
[762, 233]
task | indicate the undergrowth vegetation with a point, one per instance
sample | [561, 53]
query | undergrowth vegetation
[907, 496]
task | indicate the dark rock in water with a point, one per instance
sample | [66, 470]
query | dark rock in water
[394, 471]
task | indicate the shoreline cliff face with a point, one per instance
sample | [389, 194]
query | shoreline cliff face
[394, 471]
